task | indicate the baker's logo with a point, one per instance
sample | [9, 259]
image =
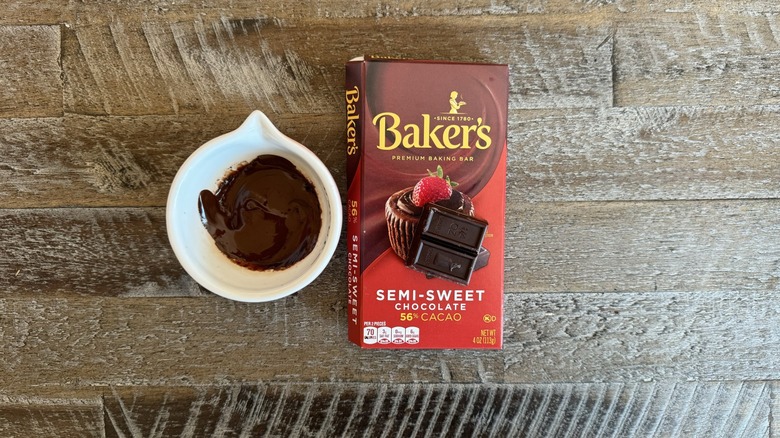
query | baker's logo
[353, 117]
[454, 103]
[458, 130]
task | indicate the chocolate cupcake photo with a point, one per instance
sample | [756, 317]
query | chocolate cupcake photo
[404, 207]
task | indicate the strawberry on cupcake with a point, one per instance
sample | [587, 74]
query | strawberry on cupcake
[403, 208]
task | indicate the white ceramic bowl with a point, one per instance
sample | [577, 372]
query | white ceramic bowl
[204, 169]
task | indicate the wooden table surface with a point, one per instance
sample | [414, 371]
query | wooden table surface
[643, 221]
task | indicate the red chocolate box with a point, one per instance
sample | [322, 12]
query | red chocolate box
[426, 175]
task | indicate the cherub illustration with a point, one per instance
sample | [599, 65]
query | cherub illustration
[454, 104]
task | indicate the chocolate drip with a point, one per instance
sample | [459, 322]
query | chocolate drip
[456, 202]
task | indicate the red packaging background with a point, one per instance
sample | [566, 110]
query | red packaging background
[411, 89]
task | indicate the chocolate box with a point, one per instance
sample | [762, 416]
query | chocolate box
[425, 258]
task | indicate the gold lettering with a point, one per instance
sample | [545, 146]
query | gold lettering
[352, 97]
[412, 138]
[430, 134]
[380, 120]
[483, 132]
[450, 133]
[427, 135]
[466, 130]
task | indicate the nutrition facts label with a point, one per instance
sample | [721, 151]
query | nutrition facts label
[391, 335]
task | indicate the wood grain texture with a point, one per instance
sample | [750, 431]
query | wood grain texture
[734, 409]
[627, 246]
[635, 337]
[664, 153]
[30, 84]
[52, 252]
[34, 12]
[565, 337]
[61, 417]
[28, 12]
[125, 161]
[649, 153]
[700, 59]
[643, 246]
[184, 341]
[181, 10]
[331, 9]
[562, 410]
[774, 409]
[232, 66]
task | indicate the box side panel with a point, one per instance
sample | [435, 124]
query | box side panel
[353, 97]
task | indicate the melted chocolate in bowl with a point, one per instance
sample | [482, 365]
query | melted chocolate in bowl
[265, 215]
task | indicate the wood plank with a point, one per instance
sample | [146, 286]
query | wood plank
[126, 161]
[572, 247]
[643, 246]
[638, 337]
[30, 84]
[111, 58]
[30, 12]
[701, 59]
[774, 406]
[696, 54]
[188, 9]
[554, 155]
[183, 10]
[26, 416]
[321, 409]
[620, 10]
[184, 341]
[89, 252]
[549, 337]
[654, 153]
[232, 66]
